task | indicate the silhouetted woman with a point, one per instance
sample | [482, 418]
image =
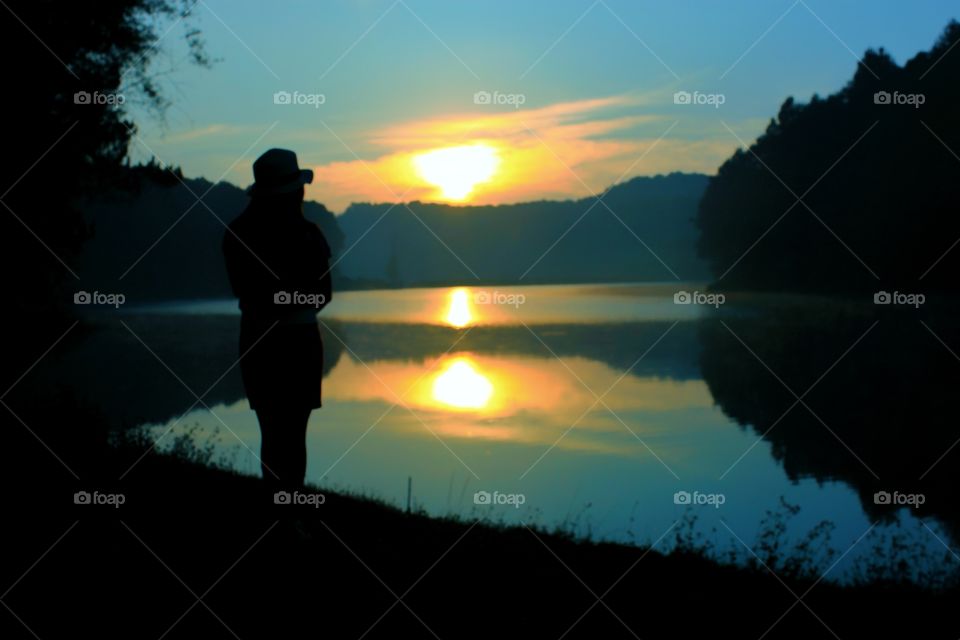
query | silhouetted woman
[277, 262]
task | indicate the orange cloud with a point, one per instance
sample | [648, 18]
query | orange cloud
[563, 150]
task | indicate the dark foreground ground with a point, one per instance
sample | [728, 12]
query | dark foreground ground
[204, 560]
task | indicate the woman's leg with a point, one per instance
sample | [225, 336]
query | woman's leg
[283, 449]
[295, 447]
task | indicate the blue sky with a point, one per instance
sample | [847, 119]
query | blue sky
[596, 80]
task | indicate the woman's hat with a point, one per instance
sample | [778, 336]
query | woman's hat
[277, 171]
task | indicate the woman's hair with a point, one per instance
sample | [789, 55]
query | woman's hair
[279, 203]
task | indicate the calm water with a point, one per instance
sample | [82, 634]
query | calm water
[593, 406]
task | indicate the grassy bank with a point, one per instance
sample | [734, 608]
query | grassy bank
[186, 531]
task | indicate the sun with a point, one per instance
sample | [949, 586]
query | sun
[457, 170]
[461, 386]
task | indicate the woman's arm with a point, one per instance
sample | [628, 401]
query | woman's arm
[313, 281]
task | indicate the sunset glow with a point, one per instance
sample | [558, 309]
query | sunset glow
[516, 156]
[455, 171]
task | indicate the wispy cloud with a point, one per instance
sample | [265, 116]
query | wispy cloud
[562, 150]
[206, 132]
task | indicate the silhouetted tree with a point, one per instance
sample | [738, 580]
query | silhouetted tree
[891, 197]
[66, 64]
[72, 72]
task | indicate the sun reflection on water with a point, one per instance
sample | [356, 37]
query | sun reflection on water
[459, 313]
[461, 386]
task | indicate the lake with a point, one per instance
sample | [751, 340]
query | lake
[614, 411]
